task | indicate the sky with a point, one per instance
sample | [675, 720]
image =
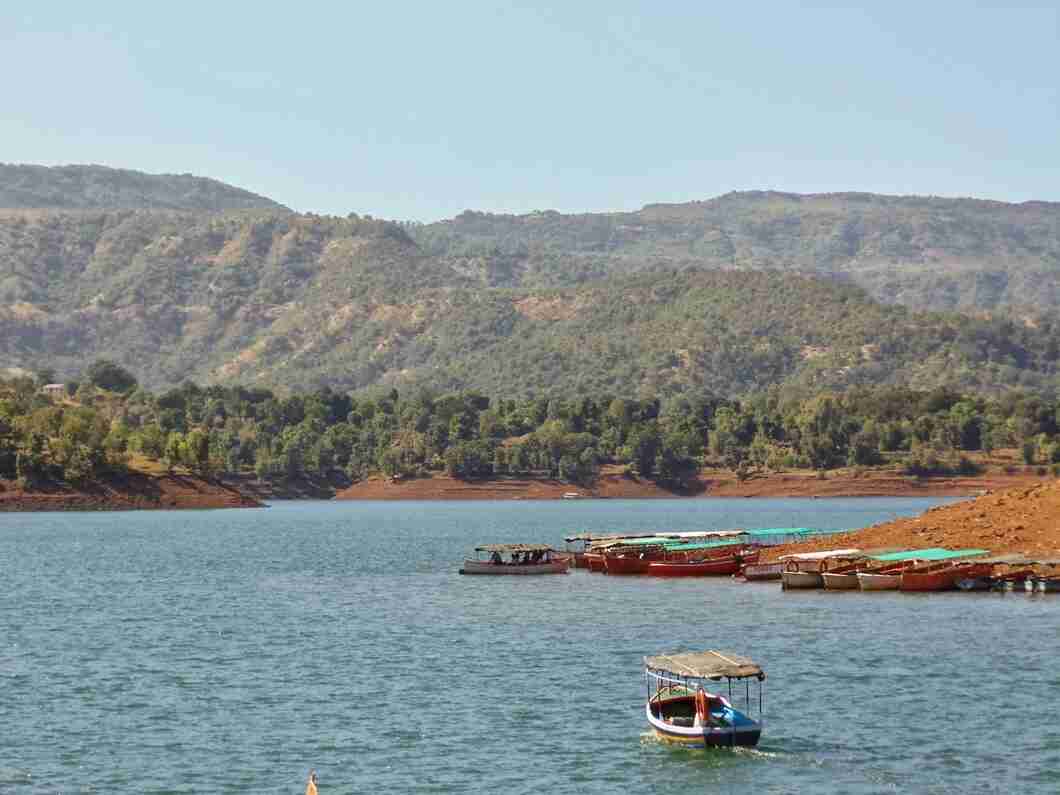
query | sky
[418, 111]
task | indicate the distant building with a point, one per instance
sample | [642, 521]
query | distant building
[54, 391]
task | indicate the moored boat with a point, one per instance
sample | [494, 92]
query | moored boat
[804, 570]
[680, 709]
[941, 576]
[523, 559]
[888, 580]
[721, 567]
[625, 564]
[839, 581]
[755, 572]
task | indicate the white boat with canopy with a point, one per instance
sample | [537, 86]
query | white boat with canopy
[681, 709]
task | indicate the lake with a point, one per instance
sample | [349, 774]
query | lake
[232, 651]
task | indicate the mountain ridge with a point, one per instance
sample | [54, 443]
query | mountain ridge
[729, 295]
[90, 186]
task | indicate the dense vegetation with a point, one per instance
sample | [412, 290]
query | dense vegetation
[101, 187]
[922, 252]
[729, 295]
[91, 430]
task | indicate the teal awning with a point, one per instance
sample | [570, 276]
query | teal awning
[932, 553]
[725, 542]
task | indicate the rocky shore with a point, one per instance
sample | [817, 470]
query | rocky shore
[132, 491]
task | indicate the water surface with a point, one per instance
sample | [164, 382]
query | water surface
[231, 651]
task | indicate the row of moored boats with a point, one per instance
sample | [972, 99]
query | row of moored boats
[932, 569]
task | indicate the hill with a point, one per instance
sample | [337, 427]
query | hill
[74, 187]
[279, 298]
[923, 252]
[730, 295]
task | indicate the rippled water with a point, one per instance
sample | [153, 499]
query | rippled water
[230, 651]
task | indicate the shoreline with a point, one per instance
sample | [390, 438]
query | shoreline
[127, 492]
[709, 484]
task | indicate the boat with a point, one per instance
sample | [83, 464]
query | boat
[757, 572]
[594, 561]
[885, 579]
[941, 576]
[844, 579]
[523, 559]
[625, 564]
[720, 567]
[793, 578]
[681, 707]
[804, 569]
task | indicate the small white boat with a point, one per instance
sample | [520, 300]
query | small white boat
[801, 579]
[879, 582]
[836, 581]
[681, 710]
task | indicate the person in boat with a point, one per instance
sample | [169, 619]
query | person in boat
[537, 556]
[311, 785]
[495, 557]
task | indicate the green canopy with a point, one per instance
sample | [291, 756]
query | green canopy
[933, 553]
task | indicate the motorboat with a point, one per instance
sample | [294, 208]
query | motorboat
[522, 559]
[684, 707]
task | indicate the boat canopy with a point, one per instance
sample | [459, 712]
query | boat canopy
[705, 665]
[932, 553]
[513, 548]
[830, 553]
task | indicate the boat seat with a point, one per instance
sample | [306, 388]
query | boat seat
[681, 720]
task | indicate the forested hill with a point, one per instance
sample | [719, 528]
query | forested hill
[283, 299]
[923, 252]
[73, 187]
[727, 296]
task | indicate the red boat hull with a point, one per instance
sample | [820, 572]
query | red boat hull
[594, 561]
[625, 564]
[944, 579]
[717, 567]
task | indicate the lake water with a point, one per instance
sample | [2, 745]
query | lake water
[231, 651]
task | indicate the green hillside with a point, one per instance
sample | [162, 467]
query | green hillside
[279, 298]
[923, 252]
[729, 296]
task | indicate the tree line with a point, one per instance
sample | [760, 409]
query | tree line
[101, 422]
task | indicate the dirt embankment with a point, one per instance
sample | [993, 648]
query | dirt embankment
[614, 483]
[443, 487]
[864, 483]
[126, 492]
[1023, 520]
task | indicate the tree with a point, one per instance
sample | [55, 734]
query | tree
[105, 374]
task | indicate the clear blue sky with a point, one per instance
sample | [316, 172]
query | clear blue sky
[421, 110]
